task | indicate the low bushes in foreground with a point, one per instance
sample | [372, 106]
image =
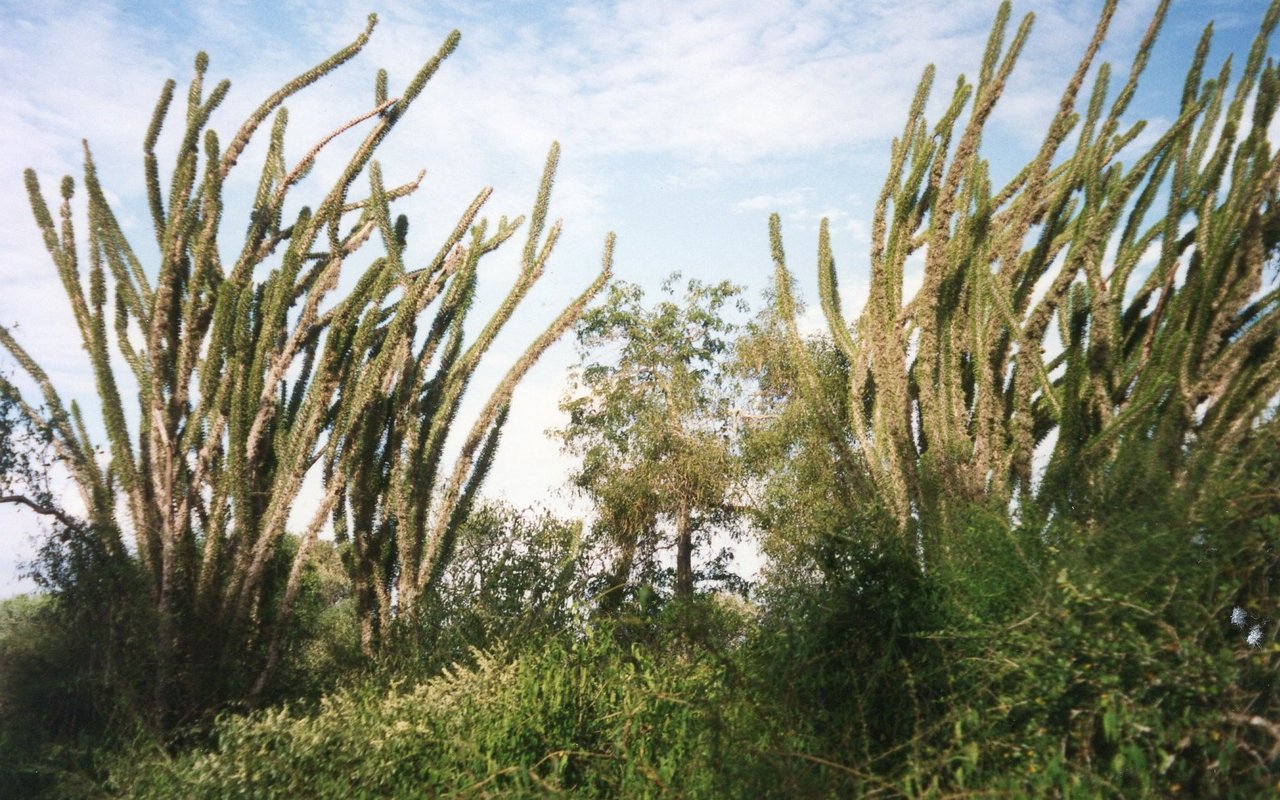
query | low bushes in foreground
[1093, 681]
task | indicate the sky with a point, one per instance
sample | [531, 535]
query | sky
[683, 123]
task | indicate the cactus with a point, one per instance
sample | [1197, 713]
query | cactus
[252, 368]
[952, 390]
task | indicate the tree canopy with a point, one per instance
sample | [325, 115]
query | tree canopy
[651, 418]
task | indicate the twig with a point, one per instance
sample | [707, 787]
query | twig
[1264, 724]
[307, 160]
[41, 508]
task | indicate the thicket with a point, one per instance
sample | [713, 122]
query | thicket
[1021, 529]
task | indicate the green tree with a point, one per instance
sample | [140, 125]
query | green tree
[651, 417]
[26, 459]
[251, 369]
[799, 497]
[516, 576]
[1111, 306]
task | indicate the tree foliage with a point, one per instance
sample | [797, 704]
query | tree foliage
[651, 418]
[515, 575]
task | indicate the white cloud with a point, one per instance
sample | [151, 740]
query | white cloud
[710, 81]
[772, 202]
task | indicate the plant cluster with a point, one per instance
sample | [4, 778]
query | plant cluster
[939, 615]
[253, 368]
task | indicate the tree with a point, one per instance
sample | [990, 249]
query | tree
[516, 576]
[1157, 372]
[650, 416]
[26, 460]
[251, 369]
[799, 499]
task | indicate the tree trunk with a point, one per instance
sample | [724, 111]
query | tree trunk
[684, 552]
[611, 598]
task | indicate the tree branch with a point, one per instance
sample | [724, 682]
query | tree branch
[41, 508]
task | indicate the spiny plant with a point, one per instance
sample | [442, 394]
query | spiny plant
[1165, 355]
[393, 497]
[253, 367]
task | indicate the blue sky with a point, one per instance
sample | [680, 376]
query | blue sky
[684, 123]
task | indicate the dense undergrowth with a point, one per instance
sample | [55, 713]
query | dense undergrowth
[1020, 670]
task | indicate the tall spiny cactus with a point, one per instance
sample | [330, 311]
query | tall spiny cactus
[252, 370]
[952, 391]
[394, 503]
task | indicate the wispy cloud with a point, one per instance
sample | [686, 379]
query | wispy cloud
[772, 202]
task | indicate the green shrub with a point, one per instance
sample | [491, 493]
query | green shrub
[514, 574]
[575, 715]
[53, 712]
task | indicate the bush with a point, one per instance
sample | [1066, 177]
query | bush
[53, 711]
[1065, 676]
[575, 715]
[1114, 669]
[515, 575]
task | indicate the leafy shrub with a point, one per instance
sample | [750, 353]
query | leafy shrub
[515, 574]
[575, 715]
[1114, 670]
